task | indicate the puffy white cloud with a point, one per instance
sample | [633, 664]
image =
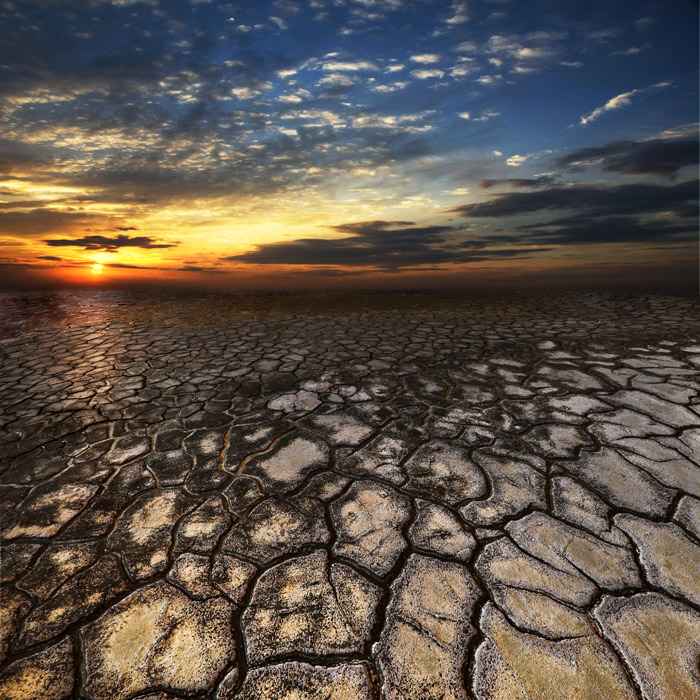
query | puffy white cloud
[317, 117]
[246, 93]
[483, 117]
[427, 73]
[349, 66]
[460, 70]
[336, 80]
[467, 47]
[294, 97]
[392, 87]
[516, 160]
[459, 15]
[530, 51]
[426, 58]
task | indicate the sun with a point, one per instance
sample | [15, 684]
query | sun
[97, 267]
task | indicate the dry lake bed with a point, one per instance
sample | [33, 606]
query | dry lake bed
[349, 497]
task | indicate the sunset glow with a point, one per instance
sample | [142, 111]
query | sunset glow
[355, 143]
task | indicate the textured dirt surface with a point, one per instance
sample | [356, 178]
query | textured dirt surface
[364, 496]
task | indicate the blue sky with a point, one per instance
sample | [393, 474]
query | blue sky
[396, 142]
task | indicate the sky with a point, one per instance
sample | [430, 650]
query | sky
[332, 144]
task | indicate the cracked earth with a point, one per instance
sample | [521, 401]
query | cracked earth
[398, 497]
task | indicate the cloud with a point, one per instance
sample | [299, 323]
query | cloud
[631, 51]
[594, 200]
[459, 14]
[350, 66]
[281, 24]
[621, 100]
[20, 160]
[529, 52]
[425, 58]
[486, 115]
[337, 81]
[603, 35]
[644, 23]
[126, 266]
[364, 120]
[392, 87]
[39, 221]
[49, 257]
[519, 182]
[427, 73]
[658, 156]
[246, 93]
[109, 244]
[386, 245]
[611, 229]
[516, 160]
[24, 204]
[206, 270]
[461, 69]
[467, 47]
[295, 97]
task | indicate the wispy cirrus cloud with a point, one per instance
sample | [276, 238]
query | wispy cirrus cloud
[624, 99]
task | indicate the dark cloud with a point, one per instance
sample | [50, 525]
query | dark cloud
[49, 257]
[657, 157]
[581, 231]
[14, 264]
[518, 182]
[594, 200]
[15, 156]
[387, 245]
[131, 267]
[39, 221]
[199, 268]
[329, 272]
[109, 244]
[22, 204]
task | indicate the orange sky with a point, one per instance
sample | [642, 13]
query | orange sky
[413, 145]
